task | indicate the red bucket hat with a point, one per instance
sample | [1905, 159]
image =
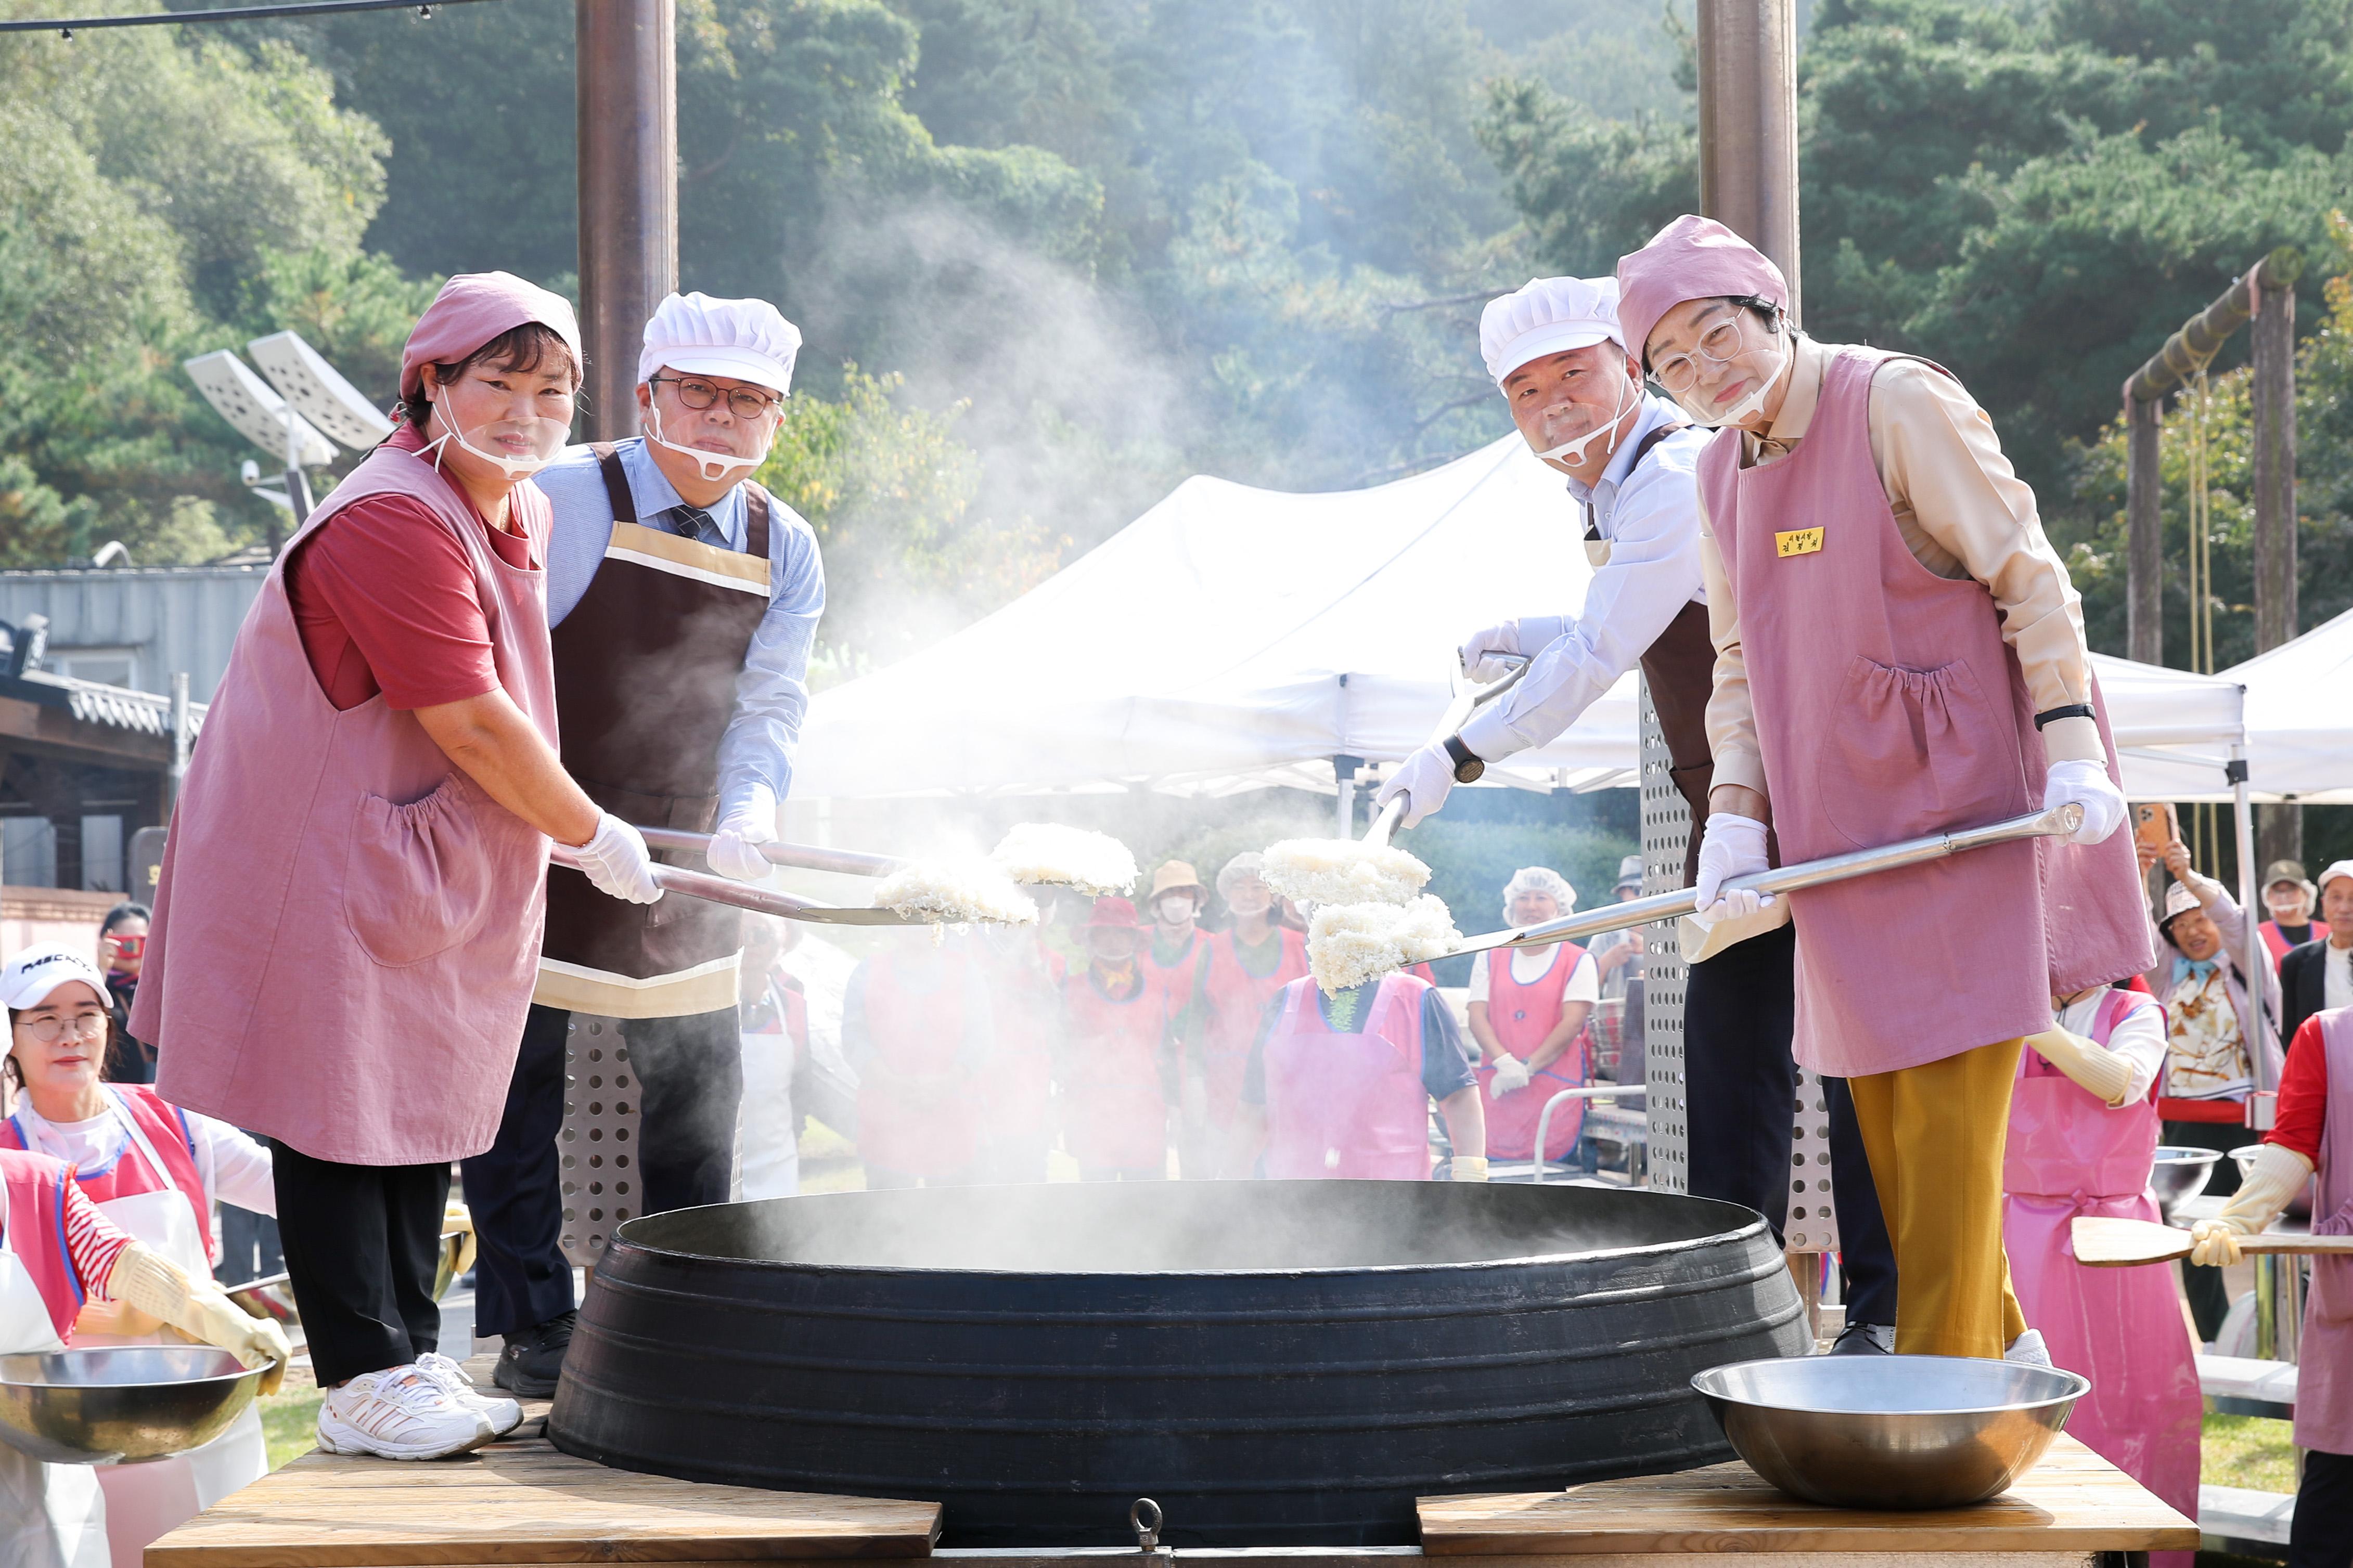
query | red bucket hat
[1114, 912]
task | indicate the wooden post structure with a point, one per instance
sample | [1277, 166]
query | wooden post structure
[1748, 126]
[627, 102]
[2281, 827]
[2172, 366]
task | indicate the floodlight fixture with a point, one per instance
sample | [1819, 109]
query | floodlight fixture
[256, 413]
[317, 391]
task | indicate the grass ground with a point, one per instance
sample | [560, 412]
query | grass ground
[288, 1421]
[2251, 1451]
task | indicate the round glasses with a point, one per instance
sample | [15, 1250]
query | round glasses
[743, 402]
[89, 1026]
[1719, 344]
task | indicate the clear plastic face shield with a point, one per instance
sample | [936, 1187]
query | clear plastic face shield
[1726, 374]
[516, 421]
[724, 428]
[1564, 429]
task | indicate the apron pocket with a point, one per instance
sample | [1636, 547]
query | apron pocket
[1912, 752]
[416, 877]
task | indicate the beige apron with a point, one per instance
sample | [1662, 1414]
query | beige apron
[51, 1516]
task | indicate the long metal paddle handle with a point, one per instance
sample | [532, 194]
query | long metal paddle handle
[1467, 701]
[744, 896]
[804, 856]
[2058, 822]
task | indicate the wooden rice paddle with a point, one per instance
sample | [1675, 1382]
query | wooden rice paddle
[2122, 1243]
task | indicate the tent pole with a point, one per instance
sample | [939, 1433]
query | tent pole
[2255, 959]
[1343, 775]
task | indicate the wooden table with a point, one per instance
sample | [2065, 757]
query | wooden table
[2069, 1509]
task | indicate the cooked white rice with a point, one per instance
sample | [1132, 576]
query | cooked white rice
[1350, 944]
[1048, 852]
[954, 892]
[1342, 871]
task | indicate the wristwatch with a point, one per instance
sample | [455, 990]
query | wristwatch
[1467, 763]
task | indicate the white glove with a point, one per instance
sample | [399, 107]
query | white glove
[1510, 1077]
[618, 862]
[2086, 784]
[1732, 847]
[735, 848]
[1424, 778]
[2279, 1172]
[159, 1288]
[1468, 1168]
[1524, 637]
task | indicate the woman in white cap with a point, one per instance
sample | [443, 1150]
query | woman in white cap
[683, 599]
[348, 914]
[78, 1272]
[156, 1172]
[1528, 1015]
[1241, 969]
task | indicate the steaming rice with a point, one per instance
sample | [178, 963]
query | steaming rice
[954, 892]
[1349, 944]
[1047, 852]
[1342, 871]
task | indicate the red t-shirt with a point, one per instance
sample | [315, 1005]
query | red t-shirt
[2302, 1093]
[385, 600]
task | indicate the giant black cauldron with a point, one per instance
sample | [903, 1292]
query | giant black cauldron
[1276, 1363]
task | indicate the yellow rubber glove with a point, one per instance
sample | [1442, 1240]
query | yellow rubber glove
[159, 1288]
[1469, 1168]
[2099, 1071]
[2278, 1174]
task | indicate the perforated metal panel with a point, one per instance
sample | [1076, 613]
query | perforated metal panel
[1813, 1224]
[598, 1150]
[1666, 832]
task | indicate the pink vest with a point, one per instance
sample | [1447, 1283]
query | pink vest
[914, 1114]
[35, 1231]
[1888, 707]
[2064, 1143]
[1237, 997]
[167, 1130]
[346, 929]
[1348, 1105]
[1522, 1016]
[2324, 1388]
[1114, 1111]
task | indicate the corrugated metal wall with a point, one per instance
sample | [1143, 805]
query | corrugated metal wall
[170, 618]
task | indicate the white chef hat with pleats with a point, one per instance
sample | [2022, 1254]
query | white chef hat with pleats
[1547, 316]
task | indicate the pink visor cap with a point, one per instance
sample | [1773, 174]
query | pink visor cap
[1692, 257]
[473, 307]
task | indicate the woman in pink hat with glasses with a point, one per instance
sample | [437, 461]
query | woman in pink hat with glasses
[1898, 651]
[348, 920]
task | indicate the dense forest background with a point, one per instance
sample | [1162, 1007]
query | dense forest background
[1051, 256]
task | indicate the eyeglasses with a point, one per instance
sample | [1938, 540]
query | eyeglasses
[1717, 345]
[743, 402]
[49, 1031]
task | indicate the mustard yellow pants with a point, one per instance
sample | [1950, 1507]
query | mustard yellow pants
[1935, 1134]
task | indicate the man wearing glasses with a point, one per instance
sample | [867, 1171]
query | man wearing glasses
[682, 599]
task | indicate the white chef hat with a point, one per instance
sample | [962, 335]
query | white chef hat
[1547, 316]
[1539, 880]
[743, 340]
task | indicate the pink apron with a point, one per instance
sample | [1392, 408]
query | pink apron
[1016, 1095]
[1114, 1112]
[1887, 706]
[2324, 1374]
[2068, 1155]
[917, 1113]
[1522, 1016]
[163, 1128]
[346, 929]
[1238, 995]
[1348, 1105]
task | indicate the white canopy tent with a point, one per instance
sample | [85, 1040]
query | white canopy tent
[2300, 716]
[1233, 638]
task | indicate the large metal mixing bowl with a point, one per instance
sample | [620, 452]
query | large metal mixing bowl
[125, 1403]
[1889, 1431]
[272, 1296]
[2180, 1174]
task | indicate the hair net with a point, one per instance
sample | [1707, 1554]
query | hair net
[1249, 863]
[1539, 880]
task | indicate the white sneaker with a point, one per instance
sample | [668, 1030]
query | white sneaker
[399, 1414]
[504, 1414]
[2027, 1349]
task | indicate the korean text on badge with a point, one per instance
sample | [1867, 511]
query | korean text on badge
[1797, 541]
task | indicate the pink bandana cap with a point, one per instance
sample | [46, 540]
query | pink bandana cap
[473, 307]
[1692, 257]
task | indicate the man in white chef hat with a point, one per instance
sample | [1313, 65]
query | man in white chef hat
[1559, 358]
[683, 598]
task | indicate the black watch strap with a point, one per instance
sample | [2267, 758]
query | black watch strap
[1467, 763]
[2072, 711]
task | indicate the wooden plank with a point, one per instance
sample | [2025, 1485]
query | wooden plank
[2244, 1377]
[518, 1502]
[2073, 1501]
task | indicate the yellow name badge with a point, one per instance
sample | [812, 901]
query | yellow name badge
[1797, 541]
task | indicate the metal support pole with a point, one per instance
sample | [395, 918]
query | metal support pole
[1344, 774]
[2273, 332]
[1748, 126]
[2254, 959]
[2144, 535]
[180, 742]
[628, 110]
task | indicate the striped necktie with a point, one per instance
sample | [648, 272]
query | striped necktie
[688, 522]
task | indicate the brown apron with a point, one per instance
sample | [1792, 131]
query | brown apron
[645, 667]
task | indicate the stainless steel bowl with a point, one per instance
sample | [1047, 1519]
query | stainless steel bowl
[2180, 1174]
[121, 1404]
[455, 1243]
[273, 1295]
[1889, 1431]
